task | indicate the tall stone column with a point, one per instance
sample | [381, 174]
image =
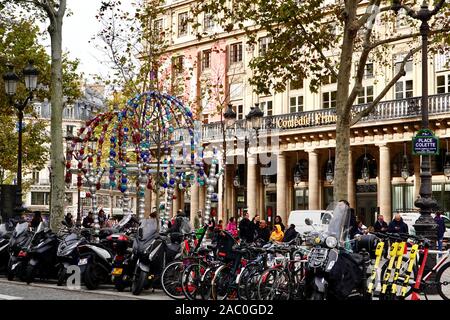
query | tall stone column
[313, 180]
[148, 202]
[194, 201]
[251, 185]
[201, 198]
[384, 188]
[351, 184]
[220, 198]
[176, 202]
[416, 163]
[181, 199]
[281, 188]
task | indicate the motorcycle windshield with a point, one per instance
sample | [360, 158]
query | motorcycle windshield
[340, 222]
[149, 229]
[20, 229]
[71, 237]
[123, 222]
[2, 230]
[41, 227]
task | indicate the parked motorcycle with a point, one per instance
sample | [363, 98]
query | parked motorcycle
[96, 259]
[122, 271]
[5, 235]
[18, 259]
[67, 253]
[41, 254]
[334, 270]
[151, 252]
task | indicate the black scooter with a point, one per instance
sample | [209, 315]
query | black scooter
[151, 252]
[41, 254]
[67, 253]
[20, 239]
[5, 235]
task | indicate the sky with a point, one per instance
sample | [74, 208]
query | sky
[78, 29]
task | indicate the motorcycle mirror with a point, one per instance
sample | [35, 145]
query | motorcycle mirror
[308, 221]
[140, 233]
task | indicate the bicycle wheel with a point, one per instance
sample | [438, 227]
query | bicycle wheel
[222, 284]
[205, 283]
[274, 285]
[251, 287]
[401, 278]
[242, 281]
[171, 280]
[191, 280]
[443, 278]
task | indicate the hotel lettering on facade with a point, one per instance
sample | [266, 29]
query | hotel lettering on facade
[304, 123]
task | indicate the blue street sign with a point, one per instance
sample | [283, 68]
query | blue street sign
[425, 143]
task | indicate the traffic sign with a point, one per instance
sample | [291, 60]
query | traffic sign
[425, 143]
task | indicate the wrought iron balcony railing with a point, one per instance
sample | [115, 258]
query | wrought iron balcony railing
[386, 110]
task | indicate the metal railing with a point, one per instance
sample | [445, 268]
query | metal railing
[386, 110]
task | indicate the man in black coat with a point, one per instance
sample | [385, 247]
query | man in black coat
[398, 225]
[380, 225]
[246, 229]
[290, 233]
[263, 231]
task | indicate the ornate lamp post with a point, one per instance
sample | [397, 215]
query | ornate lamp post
[30, 75]
[329, 175]
[425, 225]
[365, 173]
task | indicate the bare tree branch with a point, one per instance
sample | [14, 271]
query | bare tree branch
[391, 83]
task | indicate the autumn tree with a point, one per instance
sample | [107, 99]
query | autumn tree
[53, 13]
[316, 39]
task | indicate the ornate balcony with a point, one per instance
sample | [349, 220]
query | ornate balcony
[387, 110]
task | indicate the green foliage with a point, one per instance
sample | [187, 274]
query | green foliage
[18, 45]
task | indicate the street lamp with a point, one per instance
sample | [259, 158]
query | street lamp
[365, 173]
[405, 165]
[30, 74]
[298, 174]
[425, 225]
[230, 116]
[329, 175]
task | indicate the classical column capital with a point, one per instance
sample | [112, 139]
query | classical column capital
[382, 145]
[311, 150]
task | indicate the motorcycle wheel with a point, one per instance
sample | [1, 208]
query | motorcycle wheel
[139, 281]
[29, 274]
[9, 272]
[119, 284]
[91, 278]
[61, 276]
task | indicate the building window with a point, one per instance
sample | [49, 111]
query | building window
[236, 52]
[328, 79]
[266, 107]
[177, 65]
[158, 28]
[368, 70]
[40, 198]
[35, 177]
[208, 22]
[329, 99]
[264, 45]
[403, 89]
[240, 112]
[443, 83]
[408, 65]
[296, 84]
[69, 130]
[236, 91]
[206, 59]
[296, 104]
[182, 24]
[366, 95]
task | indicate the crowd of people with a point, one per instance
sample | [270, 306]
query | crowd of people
[255, 229]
